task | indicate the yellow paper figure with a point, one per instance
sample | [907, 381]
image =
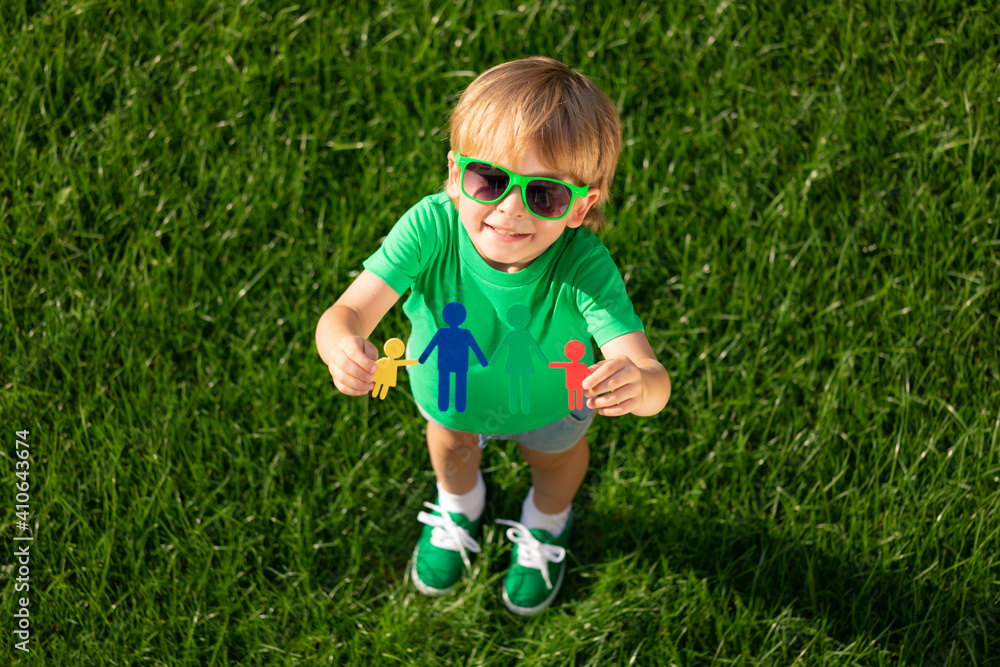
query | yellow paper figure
[385, 376]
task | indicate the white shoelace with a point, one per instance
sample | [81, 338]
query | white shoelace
[531, 552]
[449, 535]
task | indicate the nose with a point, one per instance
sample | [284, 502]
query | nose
[512, 205]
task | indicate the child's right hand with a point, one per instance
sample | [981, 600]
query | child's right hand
[339, 333]
[353, 365]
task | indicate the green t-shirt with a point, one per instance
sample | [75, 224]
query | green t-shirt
[573, 291]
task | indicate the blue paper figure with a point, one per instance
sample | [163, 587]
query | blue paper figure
[453, 345]
[520, 346]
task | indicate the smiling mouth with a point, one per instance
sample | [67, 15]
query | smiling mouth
[503, 232]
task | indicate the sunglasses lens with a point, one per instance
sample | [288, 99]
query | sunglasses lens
[548, 199]
[484, 182]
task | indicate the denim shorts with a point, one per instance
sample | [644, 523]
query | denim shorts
[554, 438]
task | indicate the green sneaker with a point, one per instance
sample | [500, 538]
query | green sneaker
[538, 560]
[441, 559]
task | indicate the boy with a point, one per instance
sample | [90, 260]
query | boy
[533, 150]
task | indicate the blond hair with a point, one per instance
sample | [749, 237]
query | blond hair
[540, 103]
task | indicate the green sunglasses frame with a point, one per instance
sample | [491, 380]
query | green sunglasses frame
[516, 179]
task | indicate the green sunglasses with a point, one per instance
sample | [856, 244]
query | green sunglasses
[488, 183]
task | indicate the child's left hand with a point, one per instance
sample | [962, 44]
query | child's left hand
[614, 387]
[629, 381]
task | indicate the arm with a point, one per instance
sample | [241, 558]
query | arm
[629, 380]
[538, 352]
[496, 353]
[479, 353]
[343, 330]
[430, 348]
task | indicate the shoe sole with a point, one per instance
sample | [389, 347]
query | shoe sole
[531, 611]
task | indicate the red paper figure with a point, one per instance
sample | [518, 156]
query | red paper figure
[576, 371]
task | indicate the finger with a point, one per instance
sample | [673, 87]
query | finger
[351, 377]
[602, 387]
[347, 391]
[599, 372]
[349, 384]
[623, 408]
[348, 362]
[612, 383]
[349, 374]
[363, 353]
[370, 350]
[613, 398]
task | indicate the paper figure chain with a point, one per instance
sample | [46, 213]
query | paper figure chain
[453, 344]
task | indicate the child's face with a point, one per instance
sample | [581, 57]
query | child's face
[506, 234]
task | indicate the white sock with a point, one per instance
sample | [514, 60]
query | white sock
[534, 518]
[470, 504]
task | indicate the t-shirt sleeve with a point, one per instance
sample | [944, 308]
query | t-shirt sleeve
[602, 298]
[408, 247]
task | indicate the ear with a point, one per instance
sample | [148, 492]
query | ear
[580, 208]
[454, 174]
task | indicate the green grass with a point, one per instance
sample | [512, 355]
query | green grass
[806, 217]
